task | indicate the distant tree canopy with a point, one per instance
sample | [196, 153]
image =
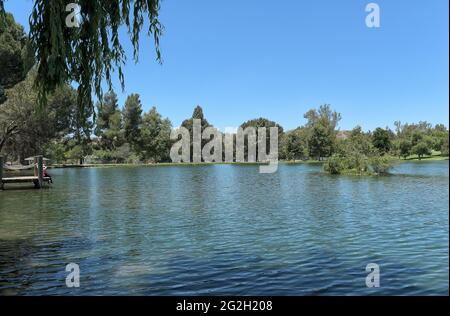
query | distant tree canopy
[295, 144]
[420, 139]
[155, 142]
[87, 54]
[381, 139]
[257, 123]
[322, 124]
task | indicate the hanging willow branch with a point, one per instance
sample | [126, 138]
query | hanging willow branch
[2, 12]
[87, 55]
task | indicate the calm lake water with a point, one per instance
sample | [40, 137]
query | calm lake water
[222, 229]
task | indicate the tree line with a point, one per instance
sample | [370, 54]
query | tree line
[127, 134]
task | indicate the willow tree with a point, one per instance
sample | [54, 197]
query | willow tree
[86, 55]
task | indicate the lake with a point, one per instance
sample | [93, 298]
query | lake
[228, 230]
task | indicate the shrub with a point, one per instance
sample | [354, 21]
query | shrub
[380, 165]
[358, 164]
[334, 165]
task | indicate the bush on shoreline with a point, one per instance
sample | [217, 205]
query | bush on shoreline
[357, 164]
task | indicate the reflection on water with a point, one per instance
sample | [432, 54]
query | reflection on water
[224, 229]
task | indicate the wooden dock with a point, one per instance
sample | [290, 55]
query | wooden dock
[37, 179]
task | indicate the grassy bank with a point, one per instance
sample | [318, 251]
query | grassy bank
[435, 157]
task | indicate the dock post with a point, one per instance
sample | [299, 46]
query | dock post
[40, 170]
[1, 172]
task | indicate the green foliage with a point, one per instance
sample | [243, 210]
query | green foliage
[113, 137]
[322, 124]
[189, 125]
[323, 116]
[121, 154]
[75, 153]
[56, 151]
[294, 144]
[335, 165]
[109, 127]
[197, 114]
[16, 58]
[320, 142]
[262, 122]
[357, 164]
[155, 137]
[381, 140]
[25, 129]
[358, 155]
[132, 119]
[105, 109]
[421, 139]
[357, 142]
[129, 136]
[416, 137]
[405, 147]
[421, 149]
[379, 165]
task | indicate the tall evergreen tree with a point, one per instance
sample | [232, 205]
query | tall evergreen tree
[105, 109]
[189, 123]
[132, 119]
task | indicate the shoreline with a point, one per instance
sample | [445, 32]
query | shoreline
[189, 164]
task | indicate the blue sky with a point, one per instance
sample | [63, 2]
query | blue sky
[242, 59]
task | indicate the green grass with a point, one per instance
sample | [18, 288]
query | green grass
[299, 162]
[435, 156]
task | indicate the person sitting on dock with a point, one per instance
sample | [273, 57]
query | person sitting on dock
[47, 175]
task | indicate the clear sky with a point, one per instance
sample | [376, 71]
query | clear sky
[242, 59]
